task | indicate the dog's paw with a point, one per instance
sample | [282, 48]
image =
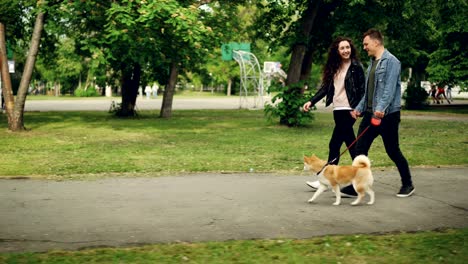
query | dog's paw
[310, 201]
[335, 203]
[370, 203]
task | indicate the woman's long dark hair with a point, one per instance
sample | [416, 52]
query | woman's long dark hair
[334, 58]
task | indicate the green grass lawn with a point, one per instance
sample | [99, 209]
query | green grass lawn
[72, 144]
[447, 246]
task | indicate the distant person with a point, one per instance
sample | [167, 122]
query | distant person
[433, 94]
[148, 91]
[140, 92]
[382, 100]
[449, 92]
[441, 92]
[343, 85]
[155, 89]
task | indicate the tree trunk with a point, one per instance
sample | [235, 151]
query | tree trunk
[306, 69]
[16, 109]
[229, 87]
[306, 65]
[418, 74]
[166, 107]
[6, 79]
[295, 66]
[300, 48]
[130, 83]
[28, 70]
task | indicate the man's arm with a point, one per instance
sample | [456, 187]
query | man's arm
[392, 75]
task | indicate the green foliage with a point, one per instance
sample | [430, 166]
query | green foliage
[12, 16]
[63, 66]
[89, 92]
[415, 97]
[278, 22]
[235, 28]
[448, 63]
[159, 32]
[287, 105]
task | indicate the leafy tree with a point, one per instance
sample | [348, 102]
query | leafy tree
[448, 62]
[302, 25]
[148, 38]
[84, 22]
[156, 32]
[237, 28]
[15, 109]
[70, 64]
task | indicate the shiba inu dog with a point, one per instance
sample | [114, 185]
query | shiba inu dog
[358, 174]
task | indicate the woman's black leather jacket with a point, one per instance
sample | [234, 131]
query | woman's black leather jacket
[354, 86]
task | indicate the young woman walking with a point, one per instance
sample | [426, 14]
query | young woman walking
[343, 85]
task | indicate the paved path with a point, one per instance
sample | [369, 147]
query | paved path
[40, 215]
[233, 102]
[103, 104]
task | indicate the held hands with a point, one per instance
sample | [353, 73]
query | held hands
[355, 114]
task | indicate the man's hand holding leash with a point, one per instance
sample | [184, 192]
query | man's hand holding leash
[379, 114]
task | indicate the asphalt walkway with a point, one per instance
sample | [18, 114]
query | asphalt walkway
[184, 103]
[42, 215]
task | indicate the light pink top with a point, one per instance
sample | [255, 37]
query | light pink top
[340, 100]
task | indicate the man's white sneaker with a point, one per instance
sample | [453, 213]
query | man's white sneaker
[313, 184]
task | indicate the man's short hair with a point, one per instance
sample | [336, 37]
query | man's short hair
[374, 34]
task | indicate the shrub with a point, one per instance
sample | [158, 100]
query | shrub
[89, 92]
[287, 105]
[415, 97]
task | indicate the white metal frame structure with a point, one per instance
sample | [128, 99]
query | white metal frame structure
[251, 78]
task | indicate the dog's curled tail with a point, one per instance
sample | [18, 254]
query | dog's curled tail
[361, 161]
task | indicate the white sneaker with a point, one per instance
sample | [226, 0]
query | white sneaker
[313, 184]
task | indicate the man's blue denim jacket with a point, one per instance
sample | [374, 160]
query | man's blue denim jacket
[387, 94]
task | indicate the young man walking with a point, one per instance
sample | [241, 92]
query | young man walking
[382, 100]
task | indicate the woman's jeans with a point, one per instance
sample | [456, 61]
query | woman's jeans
[388, 129]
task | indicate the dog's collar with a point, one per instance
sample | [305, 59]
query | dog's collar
[320, 171]
[324, 166]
